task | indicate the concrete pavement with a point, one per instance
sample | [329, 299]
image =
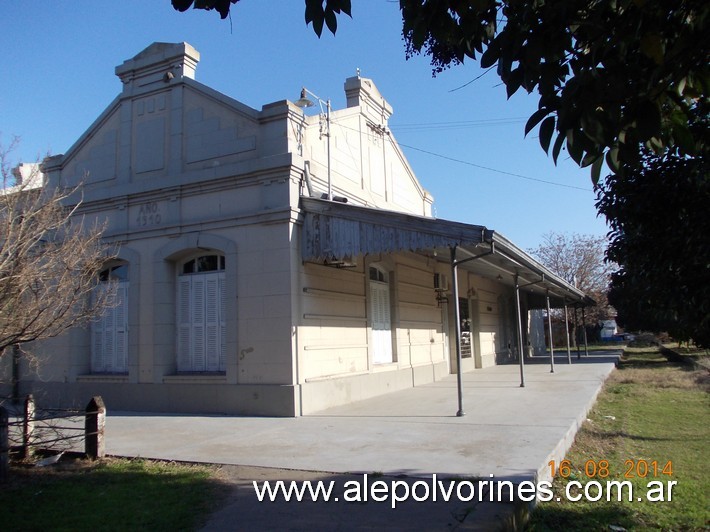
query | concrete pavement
[508, 431]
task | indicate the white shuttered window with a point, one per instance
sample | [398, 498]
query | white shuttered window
[109, 334]
[201, 322]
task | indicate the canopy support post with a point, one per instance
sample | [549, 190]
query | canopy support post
[549, 329]
[521, 352]
[457, 319]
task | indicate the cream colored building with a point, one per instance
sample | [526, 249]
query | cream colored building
[242, 289]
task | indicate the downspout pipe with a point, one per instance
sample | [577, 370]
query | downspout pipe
[307, 175]
[457, 317]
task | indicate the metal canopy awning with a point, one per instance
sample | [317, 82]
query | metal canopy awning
[336, 231]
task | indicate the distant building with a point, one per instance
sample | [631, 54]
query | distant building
[608, 330]
[241, 287]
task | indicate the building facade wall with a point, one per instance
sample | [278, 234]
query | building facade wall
[174, 171]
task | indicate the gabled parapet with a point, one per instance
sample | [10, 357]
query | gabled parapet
[362, 92]
[159, 63]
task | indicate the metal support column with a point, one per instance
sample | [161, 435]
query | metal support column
[457, 319]
[569, 353]
[521, 354]
[457, 315]
[584, 332]
[549, 329]
[576, 333]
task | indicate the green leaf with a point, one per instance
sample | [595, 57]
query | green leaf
[557, 147]
[331, 21]
[314, 9]
[597, 169]
[346, 7]
[535, 119]
[593, 127]
[318, 25]
[612, 159]
[648, 120]
[546, 129]
[512, 84]
[588, 159]
[182, 5]
[683, 138]
[652, 47]
[490, 56]
[574, 146]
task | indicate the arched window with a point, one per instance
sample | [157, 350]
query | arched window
[109, 334]
[201, 314]
[380, 316]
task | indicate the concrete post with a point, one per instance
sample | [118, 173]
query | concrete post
[4, 445]
[94, 425]
[28, 427]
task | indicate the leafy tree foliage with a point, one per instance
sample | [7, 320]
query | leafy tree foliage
[613, 76]
[221, 6]
[579, 260]
[317, 11]
[660, 226]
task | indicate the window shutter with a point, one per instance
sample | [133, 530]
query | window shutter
[121, 328]
[222, 323]
[212, 323]
[184, 325]
[198, 323]
[109, 342]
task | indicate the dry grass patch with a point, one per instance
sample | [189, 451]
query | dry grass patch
[650, 410]
[110, 494]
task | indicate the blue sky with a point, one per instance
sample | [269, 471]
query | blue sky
[462, 144]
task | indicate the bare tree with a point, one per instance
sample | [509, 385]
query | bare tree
[50, 259]
[579, 259]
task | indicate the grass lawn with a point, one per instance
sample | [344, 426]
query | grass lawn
[112, 494]
[651, 423]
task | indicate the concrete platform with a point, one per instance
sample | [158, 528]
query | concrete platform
[508, 431]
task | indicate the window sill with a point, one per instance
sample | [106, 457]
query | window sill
[196, 378]
[103, 377]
